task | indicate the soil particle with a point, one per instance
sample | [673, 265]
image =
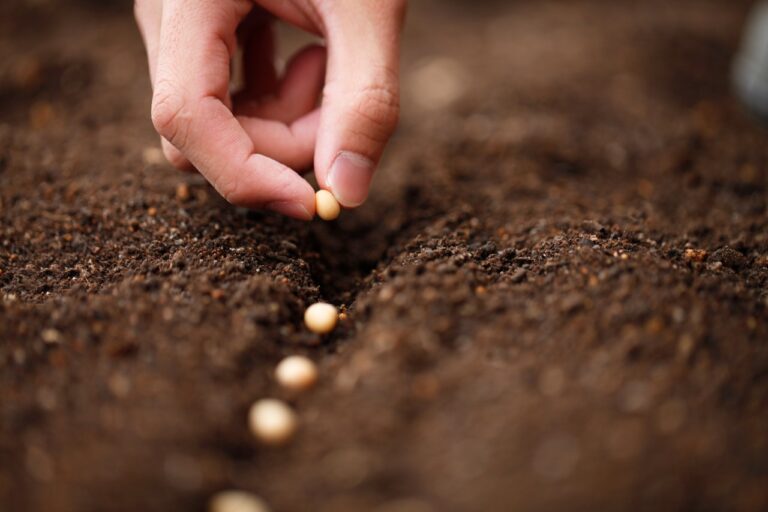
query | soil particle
[730, 258]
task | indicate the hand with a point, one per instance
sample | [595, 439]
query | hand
[246, 143]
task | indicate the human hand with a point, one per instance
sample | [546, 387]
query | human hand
[247, 144]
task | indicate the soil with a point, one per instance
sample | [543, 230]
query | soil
[555, 298]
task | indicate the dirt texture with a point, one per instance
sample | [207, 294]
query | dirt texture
[556, 297]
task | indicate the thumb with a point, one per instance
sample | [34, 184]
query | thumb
[361, 98]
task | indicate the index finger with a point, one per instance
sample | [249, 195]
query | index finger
[190, 109]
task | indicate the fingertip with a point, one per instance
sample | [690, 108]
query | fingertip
[175, 157]
[349, 179]
[266, 183]
[295, 210]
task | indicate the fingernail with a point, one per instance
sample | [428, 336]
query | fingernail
[350, 178]
[290, 208]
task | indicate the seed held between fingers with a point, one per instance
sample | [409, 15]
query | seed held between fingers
[296, 373]
[326, 205]
[237, 501]
[321, 318]
[272, 422]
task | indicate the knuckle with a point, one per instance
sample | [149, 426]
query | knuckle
[379, 105]
[168, 114]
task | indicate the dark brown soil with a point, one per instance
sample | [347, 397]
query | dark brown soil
[556, 298]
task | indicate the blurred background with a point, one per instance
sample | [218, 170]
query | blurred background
[454, 51]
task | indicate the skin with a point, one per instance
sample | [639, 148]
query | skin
[250, 144]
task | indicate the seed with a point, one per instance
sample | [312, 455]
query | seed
[321, 318]
[272, 422]
[296, 373]
[237, 501]
[326, 205]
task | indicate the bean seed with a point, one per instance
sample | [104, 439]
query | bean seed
[321, 318]
[326, 205]
[296, 373]
[272, 421]
[237, 501]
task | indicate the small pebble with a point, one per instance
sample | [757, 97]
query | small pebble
[41, 114]
[272, 422]
[27, 73]
[182, 192]
[51, 336]
[296, 373]
[321, 318]
[326, 205]
[695, 255]
[731, 258]
[237, 501]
